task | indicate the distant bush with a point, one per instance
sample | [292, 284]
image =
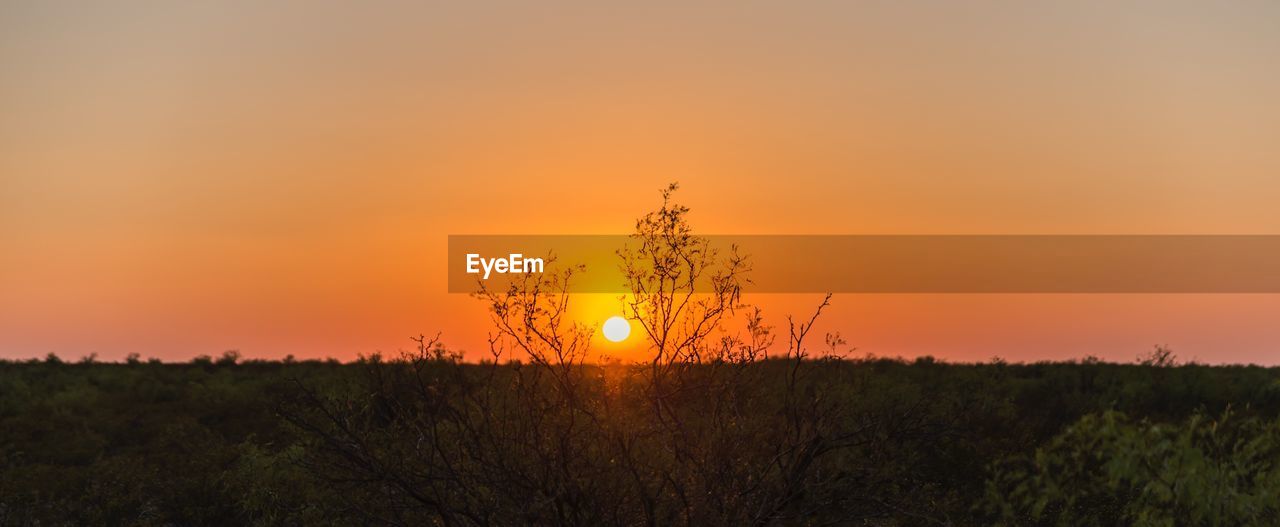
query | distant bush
[229, 358]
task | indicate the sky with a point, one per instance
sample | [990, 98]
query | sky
[184, 178]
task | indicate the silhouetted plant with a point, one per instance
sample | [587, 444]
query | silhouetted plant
[705, 431]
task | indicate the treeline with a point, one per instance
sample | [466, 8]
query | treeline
[430, 440]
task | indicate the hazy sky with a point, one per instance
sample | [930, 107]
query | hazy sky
[179, 178]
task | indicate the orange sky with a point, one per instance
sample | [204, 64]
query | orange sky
[180, 179]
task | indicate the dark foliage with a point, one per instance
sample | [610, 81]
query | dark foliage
[205, 444]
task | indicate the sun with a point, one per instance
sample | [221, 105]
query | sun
[616, 329]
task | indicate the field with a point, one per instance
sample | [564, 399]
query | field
[425, 439]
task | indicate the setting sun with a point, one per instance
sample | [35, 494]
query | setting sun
[616, 329]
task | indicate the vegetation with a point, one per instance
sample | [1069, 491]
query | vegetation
[966, 444]
[721, 425]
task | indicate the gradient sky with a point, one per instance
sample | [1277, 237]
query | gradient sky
[182, 178]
